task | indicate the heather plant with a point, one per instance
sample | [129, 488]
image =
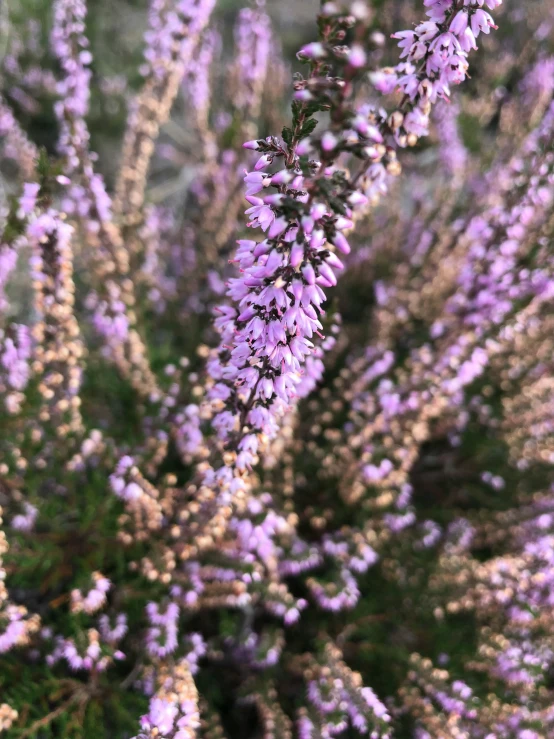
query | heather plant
[276, 385]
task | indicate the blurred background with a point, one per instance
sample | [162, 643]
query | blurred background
[116, 32]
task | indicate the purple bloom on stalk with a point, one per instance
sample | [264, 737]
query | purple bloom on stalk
[28, 200]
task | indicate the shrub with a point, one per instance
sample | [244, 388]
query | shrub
[241, 497]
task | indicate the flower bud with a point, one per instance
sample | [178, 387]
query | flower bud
[314, 50]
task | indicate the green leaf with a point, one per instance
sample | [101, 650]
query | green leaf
[43, 164]
[337, 205]
[308, 127]
[296, 110]
[287, 135]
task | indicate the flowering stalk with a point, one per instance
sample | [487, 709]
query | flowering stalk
[274, 721]
[8, 261]
[114, 300]
[433, 383]
[17, 626]
[268, 337]
[253, 48]
[337, 699]
[15, 338]
[175, 28]
[173, 712]
[527, 405]
[197, 88]
[58, 345]
[7, 716]
[16, 144]
[216, 195]
[510, 595]
[453, 153]
[15, 356]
